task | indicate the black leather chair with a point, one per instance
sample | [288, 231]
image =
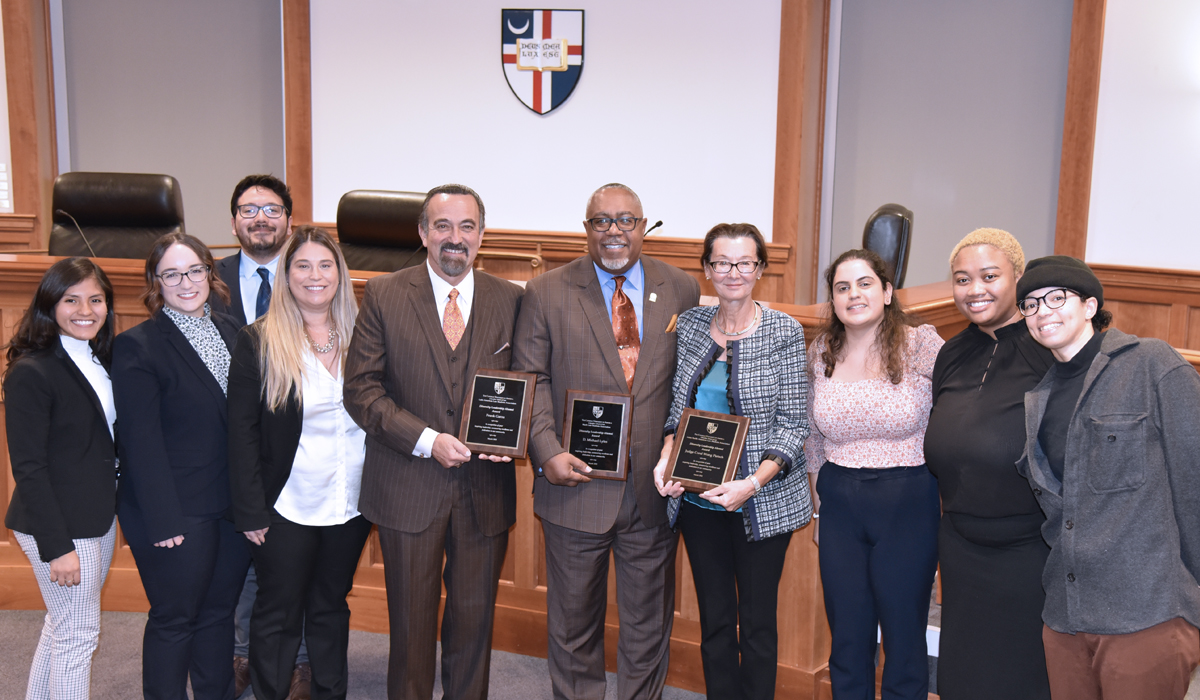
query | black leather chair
[377, 229]
[121, 214]
[889, 233]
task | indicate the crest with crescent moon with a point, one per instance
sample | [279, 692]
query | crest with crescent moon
[541, 52]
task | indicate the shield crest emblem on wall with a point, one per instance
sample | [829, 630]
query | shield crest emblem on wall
[542, 55]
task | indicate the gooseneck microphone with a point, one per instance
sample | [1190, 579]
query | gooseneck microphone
[656, 225]
[79, 229]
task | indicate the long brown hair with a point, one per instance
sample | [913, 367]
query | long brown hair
[891, 338]
[38, 329]
[152, 296]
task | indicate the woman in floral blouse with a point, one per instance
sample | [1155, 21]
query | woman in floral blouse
[869, 402]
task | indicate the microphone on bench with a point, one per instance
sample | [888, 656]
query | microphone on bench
[79, 229]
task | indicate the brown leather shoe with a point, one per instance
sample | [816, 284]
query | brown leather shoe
[301, 683]
[241, 675]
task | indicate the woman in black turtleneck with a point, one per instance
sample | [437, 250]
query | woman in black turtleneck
[990, 545]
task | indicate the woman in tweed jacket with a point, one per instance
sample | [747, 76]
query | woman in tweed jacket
[742, 359]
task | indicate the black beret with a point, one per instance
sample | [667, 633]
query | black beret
[1060, 271]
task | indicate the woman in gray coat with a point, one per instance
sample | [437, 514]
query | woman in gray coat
[740, 358]
[1112, 453]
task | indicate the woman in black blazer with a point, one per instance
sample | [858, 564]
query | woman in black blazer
[169, 379]
[295, 459]
[59, 417]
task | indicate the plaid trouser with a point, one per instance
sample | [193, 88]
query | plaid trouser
[62, 666]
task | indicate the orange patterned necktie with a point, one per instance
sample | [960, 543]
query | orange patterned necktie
[625, 330]
[452, 321]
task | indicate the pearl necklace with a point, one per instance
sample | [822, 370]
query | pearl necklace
[328, 347]
[731, 334]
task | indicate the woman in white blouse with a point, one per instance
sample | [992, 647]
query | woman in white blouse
[61, 444]
[296, 462]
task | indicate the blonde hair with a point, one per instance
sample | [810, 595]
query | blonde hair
[281, 331]
[1001, 240]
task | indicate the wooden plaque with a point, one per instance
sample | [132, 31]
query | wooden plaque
[596, 429]
[496, 413]
[707, 450]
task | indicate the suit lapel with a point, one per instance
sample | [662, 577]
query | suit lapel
[486, 325]
[190, 357]
[229, 269]
[425, 307]
[654, 318]
[591, 298]
[79, 377]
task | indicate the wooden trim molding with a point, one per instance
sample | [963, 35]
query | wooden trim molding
[799, 133]
[30, 110]
[1079, 128]
[297, 107]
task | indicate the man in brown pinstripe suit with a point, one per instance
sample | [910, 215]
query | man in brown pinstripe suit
[577, 331]
[421, 335]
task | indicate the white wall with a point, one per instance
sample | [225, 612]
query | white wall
[676, 99]
[189, 89]
[953, 109]
[1146, 166]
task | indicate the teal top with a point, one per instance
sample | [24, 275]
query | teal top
[712, 395]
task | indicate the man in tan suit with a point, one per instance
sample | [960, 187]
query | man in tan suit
[605, 322]
[421, 335]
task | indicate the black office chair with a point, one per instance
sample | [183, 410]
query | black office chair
[889, 233]
[120, 214]
[377, 229]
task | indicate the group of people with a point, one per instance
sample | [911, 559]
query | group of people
[249, 434]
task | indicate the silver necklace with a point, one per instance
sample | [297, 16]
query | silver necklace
[731, 334]
[328, 347]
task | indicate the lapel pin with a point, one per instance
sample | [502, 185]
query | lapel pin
[653, 296]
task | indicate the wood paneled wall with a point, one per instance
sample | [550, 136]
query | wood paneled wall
[1154, 303]
[521, 604]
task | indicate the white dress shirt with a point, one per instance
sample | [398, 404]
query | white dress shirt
[441, 297]
[81, 354]
[250, 282]
[323, 486]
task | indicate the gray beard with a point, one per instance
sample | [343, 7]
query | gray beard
[614, 264]
[451, 266]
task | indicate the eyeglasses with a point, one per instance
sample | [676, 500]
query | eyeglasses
[724, 266]
[174, 279]
[249, 211]
[1054, 299]
[601, 224]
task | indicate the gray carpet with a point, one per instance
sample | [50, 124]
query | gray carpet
[117, 669]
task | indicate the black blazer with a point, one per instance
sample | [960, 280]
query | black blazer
[63, 457]
[174, 458]
[262, 443]
[227, 270]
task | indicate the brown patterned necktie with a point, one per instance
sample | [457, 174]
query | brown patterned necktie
[625, 330]
[452, 321]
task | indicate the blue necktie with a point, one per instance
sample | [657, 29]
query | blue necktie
[264, 293]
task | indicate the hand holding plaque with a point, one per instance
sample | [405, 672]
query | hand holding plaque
[707, 449]
[596, 429]
[495, 416]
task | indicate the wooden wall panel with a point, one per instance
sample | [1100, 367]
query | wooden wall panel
[1154, 303]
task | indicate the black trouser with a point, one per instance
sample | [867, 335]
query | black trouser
[878, 555]
[193, 588]
[304, 575]
[737, 588]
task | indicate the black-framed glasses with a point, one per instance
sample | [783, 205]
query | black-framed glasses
[272, 211]
[1054, 299]
[174, 279]
[600, 224]
[743, 266]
